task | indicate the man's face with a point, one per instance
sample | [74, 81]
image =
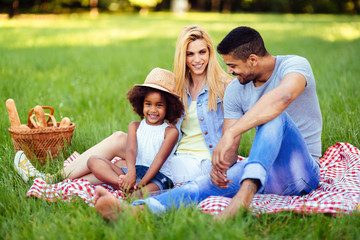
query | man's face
[243, 71]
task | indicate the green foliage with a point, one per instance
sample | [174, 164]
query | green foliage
[83, 67]
[274, 6]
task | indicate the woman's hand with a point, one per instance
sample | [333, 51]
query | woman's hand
[219, 178]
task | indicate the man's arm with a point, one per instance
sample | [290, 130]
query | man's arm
[218, 172]
[268, 107]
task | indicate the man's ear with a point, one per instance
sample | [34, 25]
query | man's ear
[253, 59]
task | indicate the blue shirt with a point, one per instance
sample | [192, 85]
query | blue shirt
[211, 122]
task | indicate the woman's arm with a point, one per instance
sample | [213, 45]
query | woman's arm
[170, 139]
[129, 180]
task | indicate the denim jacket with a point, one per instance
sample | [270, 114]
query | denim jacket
[211, 123]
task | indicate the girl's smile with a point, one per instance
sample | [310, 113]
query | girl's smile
[154, 108]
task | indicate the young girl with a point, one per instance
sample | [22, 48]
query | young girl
[150, 142]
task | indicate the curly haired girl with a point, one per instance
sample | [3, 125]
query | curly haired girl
[151, 142]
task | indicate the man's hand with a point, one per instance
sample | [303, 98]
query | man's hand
[224, 156]
[225, 152]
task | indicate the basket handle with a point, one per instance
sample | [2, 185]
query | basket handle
[36, 125]
[50, 116]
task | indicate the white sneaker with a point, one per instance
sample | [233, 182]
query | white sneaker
[24, 167]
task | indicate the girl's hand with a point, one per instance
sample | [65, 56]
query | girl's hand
[138, 186]
[127, 182]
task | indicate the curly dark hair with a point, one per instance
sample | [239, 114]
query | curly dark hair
[174, 107]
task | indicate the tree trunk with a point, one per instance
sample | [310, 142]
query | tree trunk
[94, 8]
[215, 5]
[201, 5]
[13, 9]
[227, 6]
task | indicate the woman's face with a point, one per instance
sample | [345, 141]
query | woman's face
[197, 57]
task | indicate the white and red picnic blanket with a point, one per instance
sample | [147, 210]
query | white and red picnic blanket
[339, 189]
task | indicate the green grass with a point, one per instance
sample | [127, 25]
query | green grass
[83, 67]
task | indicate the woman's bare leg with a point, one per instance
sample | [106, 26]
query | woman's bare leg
[114, 145]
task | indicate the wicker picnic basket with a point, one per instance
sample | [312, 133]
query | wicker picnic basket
[42, 143]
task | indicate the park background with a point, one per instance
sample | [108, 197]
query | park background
[14, 7]
[82, 62]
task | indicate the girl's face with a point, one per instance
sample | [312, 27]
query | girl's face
[154, 108]
[197, 57]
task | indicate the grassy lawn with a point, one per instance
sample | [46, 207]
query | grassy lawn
[83, 67]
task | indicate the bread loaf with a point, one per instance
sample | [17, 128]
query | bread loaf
[65, 122]
[40, 116]
[24, 127]
[13, 114]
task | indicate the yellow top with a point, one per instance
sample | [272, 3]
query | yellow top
[192, 141]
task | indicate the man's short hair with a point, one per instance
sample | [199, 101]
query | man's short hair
[241, 42]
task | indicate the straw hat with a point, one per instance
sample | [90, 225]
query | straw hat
[160, 79]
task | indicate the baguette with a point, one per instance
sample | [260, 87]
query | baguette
[24, 127]
[65, 122]
[40, 116]
[13, 114]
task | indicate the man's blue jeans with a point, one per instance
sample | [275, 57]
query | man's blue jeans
[279, 158]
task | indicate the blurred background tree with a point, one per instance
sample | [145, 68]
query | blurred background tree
[13, 7]
[144, 5]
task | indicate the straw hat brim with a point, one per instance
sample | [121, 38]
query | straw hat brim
[151, 85]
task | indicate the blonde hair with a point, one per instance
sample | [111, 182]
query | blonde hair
[216, 77]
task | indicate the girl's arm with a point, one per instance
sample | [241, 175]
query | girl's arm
[129, 180]
[170, 139]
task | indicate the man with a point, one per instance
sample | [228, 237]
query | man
[277, 96]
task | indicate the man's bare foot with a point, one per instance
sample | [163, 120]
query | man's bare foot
[242, 199]
[108, 206]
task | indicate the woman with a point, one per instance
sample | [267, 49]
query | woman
[201, 82]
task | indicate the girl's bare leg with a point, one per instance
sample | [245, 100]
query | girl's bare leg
[104, 170]
[93, 180]
[114, 145]
[109, 207]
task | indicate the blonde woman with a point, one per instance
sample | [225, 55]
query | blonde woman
[200, 82]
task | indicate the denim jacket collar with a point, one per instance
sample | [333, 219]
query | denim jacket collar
[206, 88]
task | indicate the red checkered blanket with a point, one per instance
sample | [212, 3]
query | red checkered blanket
[339, 189]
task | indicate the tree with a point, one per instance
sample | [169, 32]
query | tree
[13, 8]
[145, 5]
